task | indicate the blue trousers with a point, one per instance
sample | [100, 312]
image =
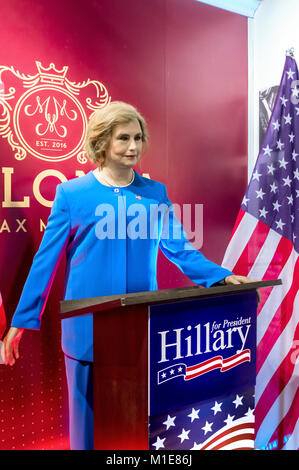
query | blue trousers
[80, 394]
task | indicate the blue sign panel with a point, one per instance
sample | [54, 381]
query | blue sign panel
[200, 349]
[224, 423]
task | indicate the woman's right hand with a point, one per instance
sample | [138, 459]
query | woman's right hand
[10, 346]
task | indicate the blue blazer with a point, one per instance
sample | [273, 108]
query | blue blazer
[109, 250]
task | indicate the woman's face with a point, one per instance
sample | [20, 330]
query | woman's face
[125, 145]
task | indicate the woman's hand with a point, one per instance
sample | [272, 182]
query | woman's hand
[234, 279]
[10, 346]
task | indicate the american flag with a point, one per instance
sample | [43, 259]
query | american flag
[265, 245]
[226, 423]
[2, 317]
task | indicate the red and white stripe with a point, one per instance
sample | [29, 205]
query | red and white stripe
[239, 435]
[257, 251]
[237, 359]
[217, 362]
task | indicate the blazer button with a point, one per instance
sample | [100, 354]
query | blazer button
[116, 190]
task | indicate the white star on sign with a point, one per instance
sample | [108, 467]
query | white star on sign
[184, 435]
[194, 414]
[238, 401]
[196, 446]
[273, 188]
[276, 125]
[229, 420]
[159, 443]
[207, 427]
[279, 144]
[284, 100]
[169, 422]
[250, 413]
[216, 407]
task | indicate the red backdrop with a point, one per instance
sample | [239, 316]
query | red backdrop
[184, 65]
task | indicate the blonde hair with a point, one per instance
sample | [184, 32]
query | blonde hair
[102, 124]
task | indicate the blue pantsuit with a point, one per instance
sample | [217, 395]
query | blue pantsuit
[80, 385]
[98, 229]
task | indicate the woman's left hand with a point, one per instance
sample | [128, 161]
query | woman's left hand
[234, 279]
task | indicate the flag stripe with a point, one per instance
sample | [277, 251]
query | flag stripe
[276, 266]
[293, 441]
[272, 392]
[216, 363]
[280, 350]
[287, 425]
[200, 371]
[261, 265]
[251, 249]
[242, 359]
[273, 376]
[240, 216]
[240, 440]
[235, 248]
[280, 389]
[278, 410]
[281, 318]
[277, 401]
[239, 429]
[276, 296]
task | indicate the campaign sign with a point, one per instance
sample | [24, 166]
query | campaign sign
[201, 349]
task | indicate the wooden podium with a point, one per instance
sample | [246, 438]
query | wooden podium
[160, 351]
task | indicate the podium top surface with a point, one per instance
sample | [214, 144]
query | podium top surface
[70, 308]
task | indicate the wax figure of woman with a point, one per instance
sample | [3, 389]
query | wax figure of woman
[99, 263]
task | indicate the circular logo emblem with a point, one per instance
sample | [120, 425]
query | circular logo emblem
[50, 123]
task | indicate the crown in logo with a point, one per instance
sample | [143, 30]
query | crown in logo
[51, 74]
